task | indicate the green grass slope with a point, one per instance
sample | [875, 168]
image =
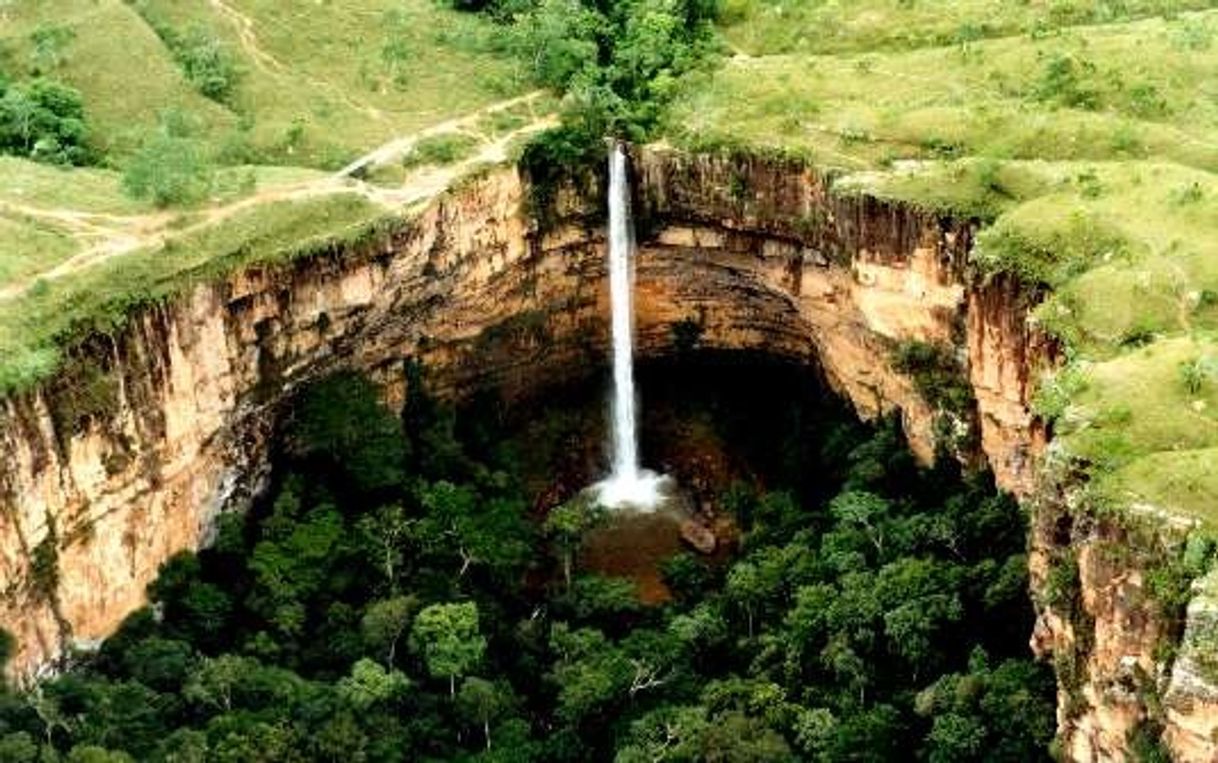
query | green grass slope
[762, 27]
[121, 67]
[1084, 139]
[307, 87]
[316, 83]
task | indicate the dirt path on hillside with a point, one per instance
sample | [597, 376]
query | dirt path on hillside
[111, 236]
[248, 37]
[400, 147]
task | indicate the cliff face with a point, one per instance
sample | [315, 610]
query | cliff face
[128, 455]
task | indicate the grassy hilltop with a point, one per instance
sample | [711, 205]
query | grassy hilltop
[1082, 133]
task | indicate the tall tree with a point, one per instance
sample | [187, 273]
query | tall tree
[446, 637]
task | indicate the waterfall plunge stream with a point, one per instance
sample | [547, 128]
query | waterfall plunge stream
[628, 485]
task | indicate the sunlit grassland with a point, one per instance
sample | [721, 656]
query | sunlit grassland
[317, 83]
[100, 297]
[48, 214]
[1130, 251]
[1087, 154]
[124, 72]
[800, 26]
[1117, 91]
[31, 246]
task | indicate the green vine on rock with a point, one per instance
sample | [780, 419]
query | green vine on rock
[936, 374]
[44, 564]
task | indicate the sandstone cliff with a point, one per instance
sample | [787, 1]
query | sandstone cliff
[131, 451]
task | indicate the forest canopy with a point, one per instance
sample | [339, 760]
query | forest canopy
[396, 598]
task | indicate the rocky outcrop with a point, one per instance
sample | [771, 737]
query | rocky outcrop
[1134, 664]
[129, 453]
[1190, 700]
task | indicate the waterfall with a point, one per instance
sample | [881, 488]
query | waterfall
[621, 286]
[628, 484]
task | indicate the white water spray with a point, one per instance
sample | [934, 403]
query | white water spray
[628, 484]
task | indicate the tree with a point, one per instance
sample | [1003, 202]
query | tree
[814, 730]
[342, 421]
[566, 525]
[162, 664]
[446, 637]
[183, 746]
[88, 753]
[594, 597]
[49, 42]
[207, 63]
[668, 733]
[50, 714]
[1007, 711]
[872, 736]
[296, 559]
[919, 599]
[559, 40]
[807, 623]
[734, 737]
[43, 121]
[485, 701]
[169, 170]
[701, 629]
[215, 682]
[488, 532]
[746, 589]
[369, 684]
[18, 747]
[385, 621]
[384, 534]
[955, 738]
[864, 512]
[194, 610]
[590, 672]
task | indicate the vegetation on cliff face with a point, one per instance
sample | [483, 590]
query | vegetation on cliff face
[394, 599]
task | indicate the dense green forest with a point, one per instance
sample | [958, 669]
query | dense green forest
[399, 595]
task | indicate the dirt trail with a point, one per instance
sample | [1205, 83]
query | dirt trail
[248, 37]
[398, 148]
[122, 234]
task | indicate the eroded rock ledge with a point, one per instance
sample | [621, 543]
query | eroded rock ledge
[128, 455]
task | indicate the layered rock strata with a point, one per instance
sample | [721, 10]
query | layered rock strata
[131, 451]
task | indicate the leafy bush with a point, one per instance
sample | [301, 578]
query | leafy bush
[440, 149]
[1049, 251]
[205, 60]
[1064, 81]
[937, 375]
[50, 42]
[207, 63]
[171, 168]
[1196, 373]
[43, 121]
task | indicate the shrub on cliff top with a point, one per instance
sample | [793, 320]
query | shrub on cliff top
[43, 121]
